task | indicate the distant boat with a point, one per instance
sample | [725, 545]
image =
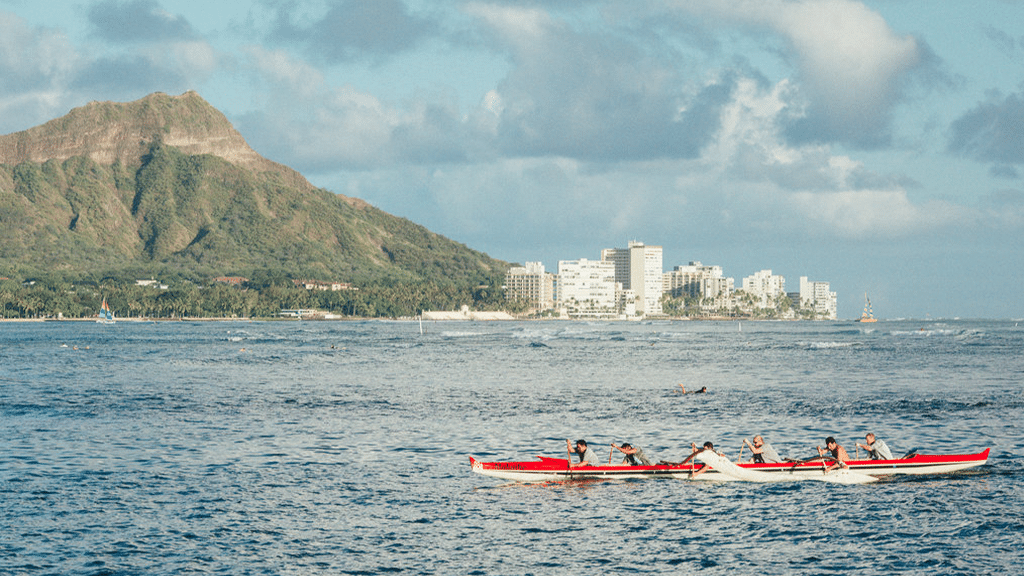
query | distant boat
[867, 316]
[106, 315]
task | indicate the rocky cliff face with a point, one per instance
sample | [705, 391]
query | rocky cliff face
[107, 132]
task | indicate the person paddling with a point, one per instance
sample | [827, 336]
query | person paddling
[877, 449]
[634, 455]
[838, 454]
[763, 451]
[695, 451]
[587, 456]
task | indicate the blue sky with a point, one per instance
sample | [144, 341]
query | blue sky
[875, 145]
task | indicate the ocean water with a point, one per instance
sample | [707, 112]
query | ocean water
[342, 447]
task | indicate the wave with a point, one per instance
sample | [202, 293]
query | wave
[826, 345]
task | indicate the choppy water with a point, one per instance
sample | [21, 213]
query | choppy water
[341, 448]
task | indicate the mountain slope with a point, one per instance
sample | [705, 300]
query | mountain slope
[166, 183]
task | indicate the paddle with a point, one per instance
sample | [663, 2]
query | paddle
[822, 454]
[568, 456]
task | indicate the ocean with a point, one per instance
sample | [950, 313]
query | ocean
[343, 447]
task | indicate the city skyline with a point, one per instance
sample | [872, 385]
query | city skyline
[875, 143]
[631, 282]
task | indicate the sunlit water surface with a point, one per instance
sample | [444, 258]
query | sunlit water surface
[342, 448]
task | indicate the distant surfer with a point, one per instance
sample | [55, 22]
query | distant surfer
[702, 390]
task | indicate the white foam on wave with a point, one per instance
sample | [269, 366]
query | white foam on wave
[827, 345]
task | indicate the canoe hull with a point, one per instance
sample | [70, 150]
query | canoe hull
[557, 469]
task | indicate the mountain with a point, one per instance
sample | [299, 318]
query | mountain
[166, 184]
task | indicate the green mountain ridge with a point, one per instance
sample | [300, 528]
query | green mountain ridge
[166, 185]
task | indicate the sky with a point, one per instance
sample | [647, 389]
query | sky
[875, 145]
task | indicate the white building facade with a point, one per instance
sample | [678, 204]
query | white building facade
[697, 281]
[764, 287]
[587, 288]
[639, 268]
[818, 296]
[531, 284]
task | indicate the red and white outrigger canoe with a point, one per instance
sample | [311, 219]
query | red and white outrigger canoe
[555, 469]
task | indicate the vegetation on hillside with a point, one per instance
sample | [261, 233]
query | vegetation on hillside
[198, 217]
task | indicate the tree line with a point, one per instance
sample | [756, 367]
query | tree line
[70, 300]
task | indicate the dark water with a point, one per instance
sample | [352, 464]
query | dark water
[341, 448]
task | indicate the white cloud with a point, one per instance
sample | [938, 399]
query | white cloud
[35, 64]
[852, 66]
[522, 27]
[876, 213]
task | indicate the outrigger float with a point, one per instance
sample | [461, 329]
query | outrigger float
[722, 469]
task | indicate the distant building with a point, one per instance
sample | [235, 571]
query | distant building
[151, 284]
[587, 288]
[697, 281]
[301, 313]
[531, 284]
[639, 268]
[764, 287]
[318, 285]
[818, 296]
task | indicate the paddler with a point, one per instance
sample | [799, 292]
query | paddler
[694, 451]
[634, 455]
[838, 454]
[877, 449]
[587, 456]
[763, 451]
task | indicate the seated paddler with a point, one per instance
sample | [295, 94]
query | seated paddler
[634, 455]
[587, 456]
[877, 449]
[763, 451]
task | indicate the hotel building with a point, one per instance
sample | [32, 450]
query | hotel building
[532, 285]
[639, 268]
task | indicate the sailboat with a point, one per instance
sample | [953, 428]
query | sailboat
[106, 315]
[867, 316]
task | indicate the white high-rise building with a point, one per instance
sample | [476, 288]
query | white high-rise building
[587, 288]
[531, 284]
[764, 287]
[639, 268]
[696, 281]
[819, 297]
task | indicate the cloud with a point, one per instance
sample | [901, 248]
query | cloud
[138, 21]
[877, 213]
[313, 126]
[853, 69]
[593, 95]
[356, 30]
[992, 132]
[35, 64]
[169, 67]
